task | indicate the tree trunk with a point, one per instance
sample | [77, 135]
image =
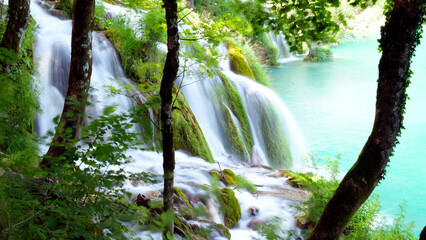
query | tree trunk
[400, 36]
[78, 82]
[17, 25]
[169, 76]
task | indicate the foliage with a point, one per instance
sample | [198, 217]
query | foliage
[142, 61]
[82, 194]
[66, 6]
[319, 54]
[258, 68]
[19, 104]
[267, 50]
[367, 223]
[101, 23]
[271, 230]
[242, 182]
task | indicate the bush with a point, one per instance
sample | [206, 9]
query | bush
[75, 199]
[367, 223]
[319, 54]
[19, 104]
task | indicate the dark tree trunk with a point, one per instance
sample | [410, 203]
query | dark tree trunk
[169, 76]
[78, 82]
[399, 38]
[423, 234]
[17, 25]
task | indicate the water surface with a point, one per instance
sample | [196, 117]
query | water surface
[334, 104]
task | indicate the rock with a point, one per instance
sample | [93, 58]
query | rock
[182, 204]
[303, 222]
[255, 224]
[230, 207]
[58, 13]
[226, 176]
[254, 211]
[142, 200]
[238, 63]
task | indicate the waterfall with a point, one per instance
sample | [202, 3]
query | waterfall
[52, 57]
[279, 42]
[52, 54]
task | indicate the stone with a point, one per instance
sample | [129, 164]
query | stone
[254, 211]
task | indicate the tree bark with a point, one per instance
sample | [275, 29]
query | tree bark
[398, 41]
[79, 80]
[169, 76]
[17, 25]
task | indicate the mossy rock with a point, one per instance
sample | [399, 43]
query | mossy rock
[230, 207]
[188, 230]
[238, 109]
[234, 124]
[183, 205]
[274, 140]
[226, 176]
[238, 63]
[222, 230]
[187, 132]
[235, 141]
[66, 6]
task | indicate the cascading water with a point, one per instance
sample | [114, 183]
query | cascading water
[52, 54]
[281, 44]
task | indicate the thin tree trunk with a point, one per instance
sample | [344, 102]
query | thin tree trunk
[399, 39]
[17, 25]
[78, 82]
[169, 76]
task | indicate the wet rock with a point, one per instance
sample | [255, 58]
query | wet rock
[254, 211]
[230, 207]
[255, 224]
[58, 13]
[226, 176]
[303, 222]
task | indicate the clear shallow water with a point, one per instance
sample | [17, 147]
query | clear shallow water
[334, 104]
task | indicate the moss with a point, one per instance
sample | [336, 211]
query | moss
[226, 176]
[188, 230]
[238, 63]
[183, 197]
[230, 207]
[183, 205]
[275, 141]
[255, 63]
[187, 133]
[222, 230]
[234, 139]
[319, 54]
[237, 131]
[66, 6]
[237, 106]
[268, 51]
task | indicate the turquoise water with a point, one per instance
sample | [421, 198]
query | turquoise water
[334, 104]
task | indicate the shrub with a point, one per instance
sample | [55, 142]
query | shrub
[319, 54]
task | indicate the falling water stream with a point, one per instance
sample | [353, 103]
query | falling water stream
[52, 54]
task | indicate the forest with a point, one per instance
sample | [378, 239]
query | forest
[174, 119]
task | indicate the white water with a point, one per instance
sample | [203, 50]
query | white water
[52, 52]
